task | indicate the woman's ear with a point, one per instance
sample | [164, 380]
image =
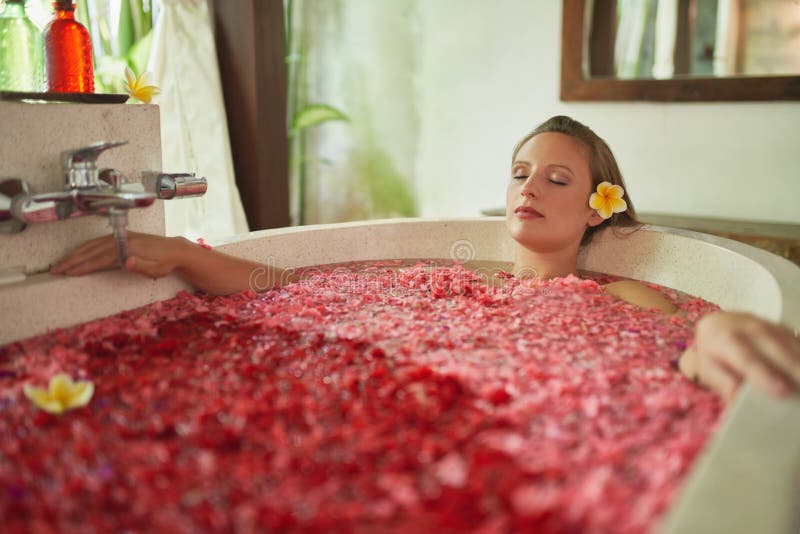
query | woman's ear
[595, 219]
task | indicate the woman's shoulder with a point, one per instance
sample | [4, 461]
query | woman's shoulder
[640, 294]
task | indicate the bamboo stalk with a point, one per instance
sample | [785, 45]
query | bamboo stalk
[105, 36]
[300, 102]
[82, 14]
[147, 16]
[136, 11]
[126, 30]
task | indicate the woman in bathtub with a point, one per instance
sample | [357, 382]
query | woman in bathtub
[564, 186]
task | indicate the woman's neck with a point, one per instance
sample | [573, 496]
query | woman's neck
[558, 263]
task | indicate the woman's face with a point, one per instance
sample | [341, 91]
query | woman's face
[547, 202]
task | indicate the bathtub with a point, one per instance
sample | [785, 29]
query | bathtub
[747, 479]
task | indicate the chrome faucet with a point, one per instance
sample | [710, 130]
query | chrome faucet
[89, 191]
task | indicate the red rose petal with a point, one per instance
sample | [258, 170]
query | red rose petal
[370, 397]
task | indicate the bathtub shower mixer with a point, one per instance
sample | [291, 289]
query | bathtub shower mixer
[90, 191]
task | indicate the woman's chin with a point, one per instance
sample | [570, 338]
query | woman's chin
[523, 229]
[533, 240]
[538, 239]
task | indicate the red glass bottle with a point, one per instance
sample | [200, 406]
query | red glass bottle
[68, 52]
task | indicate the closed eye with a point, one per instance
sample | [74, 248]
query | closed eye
[525, 177]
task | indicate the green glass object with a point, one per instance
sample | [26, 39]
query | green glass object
[21, 50]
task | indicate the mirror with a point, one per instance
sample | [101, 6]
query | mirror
[680, 50]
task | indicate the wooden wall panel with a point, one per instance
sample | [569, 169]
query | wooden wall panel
[250, 50]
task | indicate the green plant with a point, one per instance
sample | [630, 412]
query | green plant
[301, 115]
[133, 37]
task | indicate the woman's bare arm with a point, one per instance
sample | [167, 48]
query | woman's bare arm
[210, 271]
[729, 347]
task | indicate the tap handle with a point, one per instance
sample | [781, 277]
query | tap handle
[11, 189]
[180, 186]
[112, 177]
[79, 165]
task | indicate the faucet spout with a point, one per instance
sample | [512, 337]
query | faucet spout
[119, 223]
[60, 205]
[90, 191]
[102, 199]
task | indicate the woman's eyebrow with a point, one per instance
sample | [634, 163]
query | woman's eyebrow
[562, 167]
[558, 165]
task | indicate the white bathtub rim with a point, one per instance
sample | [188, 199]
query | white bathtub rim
[786, 275]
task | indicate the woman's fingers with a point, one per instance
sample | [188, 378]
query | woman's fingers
[100, 253]
[86, 252]
[783, 353]
[748, 347]
[101, 260]
[718, 377]
[753, 357]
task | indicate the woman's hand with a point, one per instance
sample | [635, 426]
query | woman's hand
[730, 347]
[150, 255]
[210, 271]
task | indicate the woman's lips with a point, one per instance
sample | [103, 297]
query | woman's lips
[525, 212]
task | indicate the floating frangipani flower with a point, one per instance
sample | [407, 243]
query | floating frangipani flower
[138, 88]
[61, 395]
[608, 200]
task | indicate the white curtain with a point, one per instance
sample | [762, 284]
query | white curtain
[194, 129]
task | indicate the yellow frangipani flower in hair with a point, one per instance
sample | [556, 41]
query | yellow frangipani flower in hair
[137, 87]
[62, 394]
[608, 200]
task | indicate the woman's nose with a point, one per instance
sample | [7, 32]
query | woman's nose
[529, 188]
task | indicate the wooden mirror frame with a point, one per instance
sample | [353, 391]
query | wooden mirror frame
[574, 87]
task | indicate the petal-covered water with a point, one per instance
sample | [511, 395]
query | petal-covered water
[376, 399]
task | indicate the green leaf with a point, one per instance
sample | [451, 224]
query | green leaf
[82, 14]
[139, 54]
[313, 115]
[125, 29]
[137, 20]
[287, 25]
[105, 36]
[110, 71]
[389, 191]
